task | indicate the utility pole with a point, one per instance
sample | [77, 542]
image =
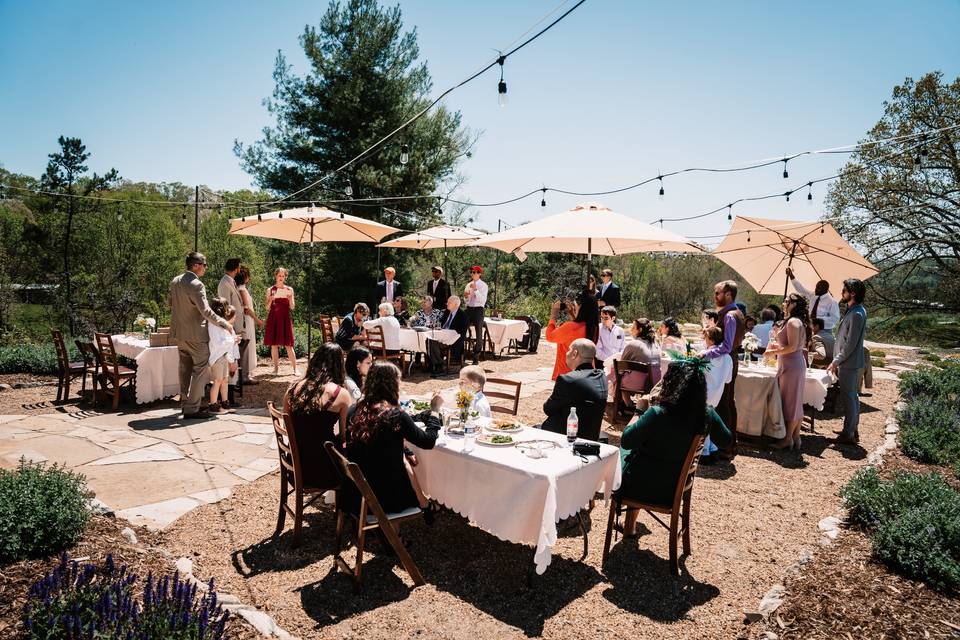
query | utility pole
[196, 217]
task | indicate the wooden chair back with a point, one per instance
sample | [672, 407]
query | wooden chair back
[688, 471]
[89, 354]
[63, 358]
[376, 343]
[326, 328]
[106, 354]
[510, 392]
[285, 444]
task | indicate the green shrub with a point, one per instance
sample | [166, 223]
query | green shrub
[299, 343]
[924, 543]
[915, 521]
[38, 359]
[930, 431]
[878, 362]
[42, 510]
[932, 384]
[878, 353]
[931, 357]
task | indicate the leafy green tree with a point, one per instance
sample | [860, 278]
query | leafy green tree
[65, 175]
[364, 81]
[907, 215]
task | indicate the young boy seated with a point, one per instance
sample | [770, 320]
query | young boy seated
[472, 379]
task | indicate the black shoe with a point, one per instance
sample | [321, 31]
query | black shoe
[203, 414]
[708, 460]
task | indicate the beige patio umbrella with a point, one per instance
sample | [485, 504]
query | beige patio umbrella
[760, 250]
[591, 229]
[310, 224]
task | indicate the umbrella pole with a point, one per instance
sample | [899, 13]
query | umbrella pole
[586, 280]
[445, 272]
[310, 293]
[786, 278]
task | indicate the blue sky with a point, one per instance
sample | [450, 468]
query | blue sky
[617, 92]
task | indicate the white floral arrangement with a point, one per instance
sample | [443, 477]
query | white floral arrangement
[751, 342]
[143, 323]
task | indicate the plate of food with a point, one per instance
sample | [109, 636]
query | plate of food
[504, 426]
[420, 405]
[495, 440]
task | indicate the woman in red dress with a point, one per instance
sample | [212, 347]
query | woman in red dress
[279, 332]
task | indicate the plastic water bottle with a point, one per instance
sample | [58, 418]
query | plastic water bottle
[573, 423]
[469, 435]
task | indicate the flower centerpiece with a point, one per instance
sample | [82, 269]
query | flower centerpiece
[145, 324]
[750, 343]
[464, 402]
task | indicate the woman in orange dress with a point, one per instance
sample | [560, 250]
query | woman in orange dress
[585, 324]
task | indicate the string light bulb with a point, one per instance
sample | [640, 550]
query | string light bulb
[348, 190]
[183, 216]
[259, 213]
[543, 198]
[748, 235]
[439, 206]
[810, 193]
[502, 85]
[119, 213]
[404, 154]
[786, 174]
[660, 178]
[729, 212]
[787, 194]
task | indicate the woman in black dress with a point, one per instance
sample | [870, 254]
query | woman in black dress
[317, 405]
[375, 436]
[654, 446]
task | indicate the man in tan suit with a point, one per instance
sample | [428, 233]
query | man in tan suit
[189, 314]
[227, 289]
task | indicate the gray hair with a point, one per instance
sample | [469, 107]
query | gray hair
[386, 306]
[454, 299]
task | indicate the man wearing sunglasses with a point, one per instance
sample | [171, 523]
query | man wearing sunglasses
[189, 315]
[475, 297]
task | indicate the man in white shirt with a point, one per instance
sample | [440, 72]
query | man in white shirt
[610, 336]
[475, 295]
[389, 324]
[822, 304]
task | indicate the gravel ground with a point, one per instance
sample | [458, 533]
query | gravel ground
[751, 519]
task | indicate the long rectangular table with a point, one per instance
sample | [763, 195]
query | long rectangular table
[512, 496]
[157, 367]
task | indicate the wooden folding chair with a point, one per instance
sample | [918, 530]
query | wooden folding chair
[620, 367]
[369, 516]
[293, 456]
[679, 511]
[88, 351]
[513, 396]
[378, 347]
[66, 370]
[326, 328]
[113, 376]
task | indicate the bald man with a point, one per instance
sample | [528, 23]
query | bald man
[585, 388]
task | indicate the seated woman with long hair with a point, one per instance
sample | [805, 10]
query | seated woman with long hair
[670, 337]
[358, 364]
[642, 348]
[317, 405]
[654, 446]
[585, 323]
[375, 441]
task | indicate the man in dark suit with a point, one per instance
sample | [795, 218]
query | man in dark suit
[453, 318]
[585, 388]
[608, 293]
[388, 289]
[438, 288]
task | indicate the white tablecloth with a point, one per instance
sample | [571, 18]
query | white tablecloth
[416, 341]
[157, 367]
[502, 331]
[759, 409]
[516, 498]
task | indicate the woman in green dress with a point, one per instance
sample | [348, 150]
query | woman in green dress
[654, 446]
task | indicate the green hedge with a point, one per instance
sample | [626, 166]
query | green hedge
[38, 359]
[299, 342]
[42, 510]
[930, 419]
[914, 522]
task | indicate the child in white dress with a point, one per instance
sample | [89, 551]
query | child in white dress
[224, 354]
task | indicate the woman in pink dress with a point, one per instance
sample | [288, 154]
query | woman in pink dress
[279, 332]
[790, 348]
